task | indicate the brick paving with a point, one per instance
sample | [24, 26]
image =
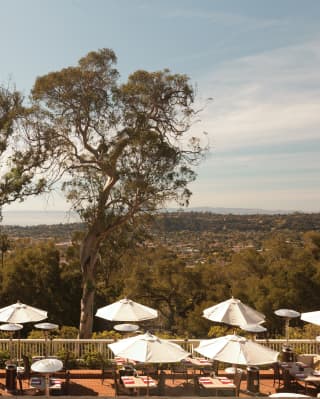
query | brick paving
[89, 383]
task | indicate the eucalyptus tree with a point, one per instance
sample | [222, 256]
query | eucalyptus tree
[122, 149]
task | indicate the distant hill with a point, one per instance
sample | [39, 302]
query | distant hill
[188, 221]
[233, 211]
[32, 218]
[228, 222]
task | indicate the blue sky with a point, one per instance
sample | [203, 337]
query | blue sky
[258, 60]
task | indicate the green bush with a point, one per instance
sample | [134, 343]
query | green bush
[68, 332]
[106, 335]
[4, 356]
[72, 362]
[92, 360]
[218, 331]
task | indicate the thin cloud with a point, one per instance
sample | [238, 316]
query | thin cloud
[266, 98]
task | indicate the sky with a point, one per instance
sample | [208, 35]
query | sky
[259, 61]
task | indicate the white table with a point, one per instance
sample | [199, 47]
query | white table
[232, 370]
[218, 384]
[288, 395]
[40, 383]
[137, 383]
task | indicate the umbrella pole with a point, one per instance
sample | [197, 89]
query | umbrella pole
[46, 343]
[287, 330]
[10, 346]
[19, 348]
[47, 383]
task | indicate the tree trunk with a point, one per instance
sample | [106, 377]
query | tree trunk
[88, 261]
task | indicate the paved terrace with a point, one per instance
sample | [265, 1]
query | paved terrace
[88, 383]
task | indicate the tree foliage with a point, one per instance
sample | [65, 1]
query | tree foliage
[18, 160]
[285, 274]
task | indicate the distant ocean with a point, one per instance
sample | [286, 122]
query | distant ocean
[30, 218]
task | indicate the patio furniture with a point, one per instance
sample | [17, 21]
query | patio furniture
[198, 389]
[253, 379]
[207, 371]
[218, 386]
[297, 378]
[178, 371]
[147, 369]
[160, 391]
[119, 387]
[307, 359]
[237, 382]
[277, 374]
[47, 367]
[231, 371]
[306, 376]
[23, 372]
[141, 384]
[127, 370]
[39, 384]
[64, 373]
[287, 395]
[107, 371]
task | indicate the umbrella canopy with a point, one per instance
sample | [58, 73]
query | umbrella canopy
[21, 313]
[287, 313]
[47, 366]
[11, 327]
[126, 310]
[148, 348]
[233, 312]
[46, 326]
[237, 350]
[126, 327]
[311, 317]
[253, 328]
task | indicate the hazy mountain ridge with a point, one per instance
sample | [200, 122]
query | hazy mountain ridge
[32, 218]
[234, 211]
[188, 221]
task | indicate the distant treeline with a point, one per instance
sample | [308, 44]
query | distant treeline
[44, 231]
[189, 221]
[216, 223]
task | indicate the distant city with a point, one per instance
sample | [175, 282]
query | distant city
[31, 218]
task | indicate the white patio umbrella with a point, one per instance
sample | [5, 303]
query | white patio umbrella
[21, 313]
[126, 327]
[287, 314]
[148, 348]
[253, 329]
[237, 350]
[233, 312]
[47, 366]
[11, 328]
[126, 310]
[311, 317]
[46, 327]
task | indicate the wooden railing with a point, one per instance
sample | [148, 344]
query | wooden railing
[81, 347]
